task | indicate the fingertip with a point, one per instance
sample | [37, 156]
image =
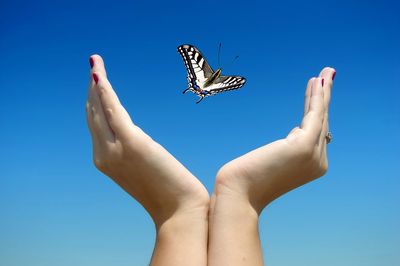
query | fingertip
[332, 72]
[97, 63]
[317, 87]
[328, 72]
[326, 69]
[309, 86]
[95, 77]
[91, 62]
[95, 56]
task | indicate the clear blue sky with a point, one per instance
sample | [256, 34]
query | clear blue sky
[57, 209]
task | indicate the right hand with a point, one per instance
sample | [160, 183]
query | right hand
[268, 172]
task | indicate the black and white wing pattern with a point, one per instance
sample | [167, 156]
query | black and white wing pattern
[202, 79]
[226, 83]
[198, 70]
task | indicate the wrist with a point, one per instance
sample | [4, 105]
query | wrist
[232, 217]
[258, 190]
[182, 239]
[233, 202]
[182, 217]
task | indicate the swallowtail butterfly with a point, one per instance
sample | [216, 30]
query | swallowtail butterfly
[202, 79]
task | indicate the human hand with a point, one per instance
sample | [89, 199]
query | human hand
[141, 166]
[268, 172]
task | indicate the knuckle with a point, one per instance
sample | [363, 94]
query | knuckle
[87, 107]
[92, 110]
[101, 91]
[109, 112]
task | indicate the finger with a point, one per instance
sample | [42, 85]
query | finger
[323, 140]
[117, 118]
[324, 131]
[323, 146]
[89, 120]
[97, 146]
[97, 64]
[307, 96]
[115, 114]
[328, 74]
[96, 118]
[104, 87]
[312, 121]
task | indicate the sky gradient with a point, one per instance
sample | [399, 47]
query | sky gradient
[56, 209]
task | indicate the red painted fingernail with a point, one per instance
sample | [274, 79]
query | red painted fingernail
[91, 62]
[322, 82]
[95, 78]
[333, 75]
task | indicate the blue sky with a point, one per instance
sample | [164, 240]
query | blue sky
[57, 209]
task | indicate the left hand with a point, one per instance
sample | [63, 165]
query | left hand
[137, 163]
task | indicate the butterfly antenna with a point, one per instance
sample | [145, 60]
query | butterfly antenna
[219, 51]
[236, 57]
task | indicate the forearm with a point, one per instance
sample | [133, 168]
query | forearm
[233, 231]
[182, 240]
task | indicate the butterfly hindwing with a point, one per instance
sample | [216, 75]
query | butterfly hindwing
[202, 79]
[225, 83]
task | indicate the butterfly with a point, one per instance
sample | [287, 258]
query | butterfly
[202, 79]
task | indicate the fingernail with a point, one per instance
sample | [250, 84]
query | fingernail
[333, 75]
[322, 82]
[95, 78]
[91, 62]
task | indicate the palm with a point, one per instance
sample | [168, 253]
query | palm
[133, 160]
[274, 169]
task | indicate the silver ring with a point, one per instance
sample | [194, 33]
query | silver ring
[328, 137]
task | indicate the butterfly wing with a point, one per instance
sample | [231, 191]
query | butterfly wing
[198, 70]
[226, 83]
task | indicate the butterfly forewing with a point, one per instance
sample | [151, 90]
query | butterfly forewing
[199, 71]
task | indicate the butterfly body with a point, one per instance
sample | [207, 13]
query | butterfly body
[214, 76]
[202, 80]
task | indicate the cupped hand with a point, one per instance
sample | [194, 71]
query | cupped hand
[137, 163]
[266, 173]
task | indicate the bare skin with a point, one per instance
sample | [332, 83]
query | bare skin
[177, 201]
[247, 184]
[191, 229]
